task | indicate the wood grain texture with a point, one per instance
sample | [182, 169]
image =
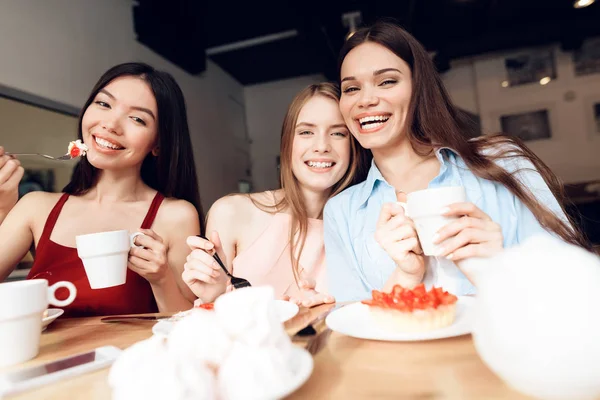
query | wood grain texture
[346, 368]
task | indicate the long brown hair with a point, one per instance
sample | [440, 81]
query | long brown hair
[292, 199]
[172, 171]
[434, 122]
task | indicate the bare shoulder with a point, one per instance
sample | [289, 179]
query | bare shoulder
[176, 212]
[38, 202]
[229, 208]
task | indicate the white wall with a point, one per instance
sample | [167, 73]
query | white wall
[573, 151]
[266, 105]
[58, 49]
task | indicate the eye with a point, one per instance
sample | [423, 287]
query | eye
[102, 104]
[388, 82]
[350, 89]
[340, 134]
[305, 133]
[138, 120]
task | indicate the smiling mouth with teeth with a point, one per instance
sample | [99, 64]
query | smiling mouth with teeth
[105, 144]
[373, 121]
[320, 164]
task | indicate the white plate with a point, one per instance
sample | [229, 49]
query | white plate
[302, 364]
[53, 313]
[284, 309]
[355, 320]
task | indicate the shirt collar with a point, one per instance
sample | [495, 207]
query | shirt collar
[375, 176]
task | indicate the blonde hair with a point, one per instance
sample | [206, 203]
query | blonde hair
[292, 199]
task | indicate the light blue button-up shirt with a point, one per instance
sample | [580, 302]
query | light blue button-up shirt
[356, 264]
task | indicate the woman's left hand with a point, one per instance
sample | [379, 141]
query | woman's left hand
[150, 260]
[473, 234]
[308, 296]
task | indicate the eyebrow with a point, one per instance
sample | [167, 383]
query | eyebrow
[375, 73]
[308, 124]
[142, 109]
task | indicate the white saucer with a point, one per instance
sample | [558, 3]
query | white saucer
[285, 310]
[53, 313]
[355, 320]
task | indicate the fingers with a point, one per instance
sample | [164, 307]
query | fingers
[474, 250]
[467, 208]
[9, 169]
[204, 258]
[191, 276]
[202, 267]
[150, 233]
[214, 237]
[317, 299]
[455, 227]
[388, 211]
[196, 242]
[151, 251]
[469, 236]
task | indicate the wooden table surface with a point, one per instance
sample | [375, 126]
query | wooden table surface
[346, 368]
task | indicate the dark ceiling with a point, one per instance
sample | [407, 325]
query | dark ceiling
[262, 41]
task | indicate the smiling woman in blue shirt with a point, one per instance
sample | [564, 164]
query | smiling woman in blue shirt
[394, 103]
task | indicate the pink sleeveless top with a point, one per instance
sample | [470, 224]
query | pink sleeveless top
[267, 261]
[55, 262]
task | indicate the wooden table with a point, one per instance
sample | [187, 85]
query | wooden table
[346, 368]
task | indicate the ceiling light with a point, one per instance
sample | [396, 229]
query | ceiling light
[351, 20]
[505, 84]
[545, 80]
[583, 3]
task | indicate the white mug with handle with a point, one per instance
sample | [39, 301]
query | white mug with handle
[104, 256]
[424, 207]
[22, 305]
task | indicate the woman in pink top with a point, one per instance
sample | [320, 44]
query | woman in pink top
[276, 237]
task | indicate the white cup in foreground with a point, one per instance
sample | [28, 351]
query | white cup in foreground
[104, 256]
[22, 306]
[424, 207]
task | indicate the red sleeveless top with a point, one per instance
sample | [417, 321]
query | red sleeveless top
[55, 262]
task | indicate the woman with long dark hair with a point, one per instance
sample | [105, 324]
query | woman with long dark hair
[138, 174]
[276, 237]
[394, 103]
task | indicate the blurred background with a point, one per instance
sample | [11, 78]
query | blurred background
[530, 68]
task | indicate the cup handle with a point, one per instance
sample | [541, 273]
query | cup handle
[61, 303]
[132, 239]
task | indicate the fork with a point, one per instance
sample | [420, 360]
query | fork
[61, 158]
[235, 281]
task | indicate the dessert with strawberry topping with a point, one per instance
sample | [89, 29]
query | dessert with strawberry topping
[415, 310]
[77, 148]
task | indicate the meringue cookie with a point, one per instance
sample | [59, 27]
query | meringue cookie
[200, 336]
[148, 371]
[254, 373]
[248, 315]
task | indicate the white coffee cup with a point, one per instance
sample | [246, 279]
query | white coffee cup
[424, 207]
[104, 256]
[22, 306]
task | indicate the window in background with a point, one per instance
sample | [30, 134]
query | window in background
[587, 58]
[531, 125]
[533, 67]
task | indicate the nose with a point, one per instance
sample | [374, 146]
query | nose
[322, 143]
[111, 124]
[367, 97]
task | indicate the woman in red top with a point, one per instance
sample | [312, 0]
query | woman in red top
[138, 175]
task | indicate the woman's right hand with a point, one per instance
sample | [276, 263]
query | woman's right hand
[397, 235]
[11, 173]
[202, 273]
